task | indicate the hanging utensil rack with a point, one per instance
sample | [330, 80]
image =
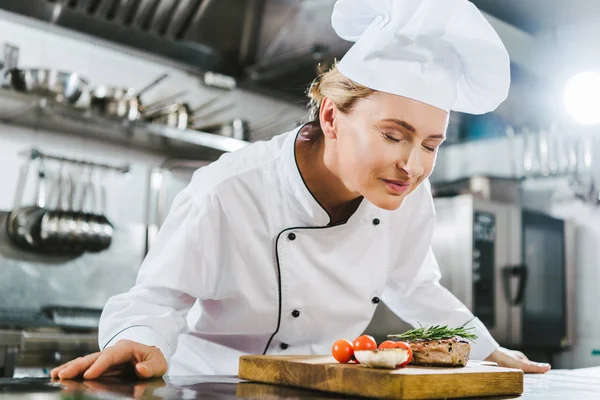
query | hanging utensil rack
[36, 154]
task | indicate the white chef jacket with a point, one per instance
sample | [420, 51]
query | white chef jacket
[245, 263]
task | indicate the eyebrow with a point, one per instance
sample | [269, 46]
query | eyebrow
[412, 129]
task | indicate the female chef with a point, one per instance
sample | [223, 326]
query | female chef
[287, 245]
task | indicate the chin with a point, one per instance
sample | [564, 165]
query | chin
[387, 202]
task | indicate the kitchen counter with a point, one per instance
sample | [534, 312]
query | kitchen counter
[558, 384]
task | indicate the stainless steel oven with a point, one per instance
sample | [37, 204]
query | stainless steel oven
[512, 267]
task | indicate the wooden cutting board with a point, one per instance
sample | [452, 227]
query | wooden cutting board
[325, 374]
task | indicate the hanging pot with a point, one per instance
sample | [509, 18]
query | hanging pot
[120, 102]
[23, 222]
[62, 86]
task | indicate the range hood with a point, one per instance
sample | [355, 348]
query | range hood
[202, 34]
[269, 46]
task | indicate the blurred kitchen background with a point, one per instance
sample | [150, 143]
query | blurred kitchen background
[108, 106]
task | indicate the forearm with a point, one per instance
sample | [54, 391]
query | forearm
[154, 317]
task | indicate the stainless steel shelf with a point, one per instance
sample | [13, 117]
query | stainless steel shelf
[40, 113]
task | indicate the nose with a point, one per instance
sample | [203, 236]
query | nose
[413, 165]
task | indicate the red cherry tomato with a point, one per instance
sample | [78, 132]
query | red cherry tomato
[404, 345]
[364, 342]
[388, 344]
[342, 351]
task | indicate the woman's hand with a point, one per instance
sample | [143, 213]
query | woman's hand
[125, 357]
[515, 359]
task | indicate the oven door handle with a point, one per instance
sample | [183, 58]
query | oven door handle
[512, 271]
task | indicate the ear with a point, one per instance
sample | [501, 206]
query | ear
[327, 115]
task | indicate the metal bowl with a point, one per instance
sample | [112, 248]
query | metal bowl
[59, 85]
[116, 101]
[177, 115]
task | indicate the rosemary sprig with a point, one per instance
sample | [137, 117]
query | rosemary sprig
[435, 333]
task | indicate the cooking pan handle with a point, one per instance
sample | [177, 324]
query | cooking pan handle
[164, 102]
[152, 84]
[23, 172]
[521, 272]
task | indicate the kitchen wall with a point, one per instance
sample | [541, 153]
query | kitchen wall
[101, 62]
[504, 158]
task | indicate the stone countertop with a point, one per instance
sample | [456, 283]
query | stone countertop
[557, 384]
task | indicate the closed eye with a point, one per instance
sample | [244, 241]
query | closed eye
[391, 138]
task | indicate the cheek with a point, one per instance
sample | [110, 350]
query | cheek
[357, 150]
[429, 163]
[369, 158]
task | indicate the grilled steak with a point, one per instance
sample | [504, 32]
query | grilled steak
[440, 353]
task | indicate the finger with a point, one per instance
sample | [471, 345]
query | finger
[55, 371]
[110, 357]
[521, 356]
[154, 365]
[149, 369]
[119, 371]
[531, 367]
[77, 367]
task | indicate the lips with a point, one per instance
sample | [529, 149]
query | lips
[395, 186]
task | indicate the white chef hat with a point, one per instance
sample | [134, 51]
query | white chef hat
[440, 52]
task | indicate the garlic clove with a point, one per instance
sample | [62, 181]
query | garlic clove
[384, 358]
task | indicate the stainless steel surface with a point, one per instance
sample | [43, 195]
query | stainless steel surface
[11, 343]
[513, 249]
[34, 154]
[23, 220]
[505, 190]
[43, 349]
[11, 338]
[514, 241]
[173, 29]
[453, 245]
[157, 139]
[120, 101]
[177, 115]
[58, 85]
[158, 104]
[199, 138]
[181, 116]
[570, 277]
[32, 281]
[237, 128]
[11, 57]
[59, 226]
[558, 384]
[223, 36]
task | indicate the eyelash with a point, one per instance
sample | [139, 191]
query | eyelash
[393, 139]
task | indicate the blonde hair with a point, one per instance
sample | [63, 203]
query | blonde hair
[343, 91]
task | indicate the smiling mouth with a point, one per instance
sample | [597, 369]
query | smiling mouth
[396, 187]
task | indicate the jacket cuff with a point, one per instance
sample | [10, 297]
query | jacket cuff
[144, 335]
[485, 344]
